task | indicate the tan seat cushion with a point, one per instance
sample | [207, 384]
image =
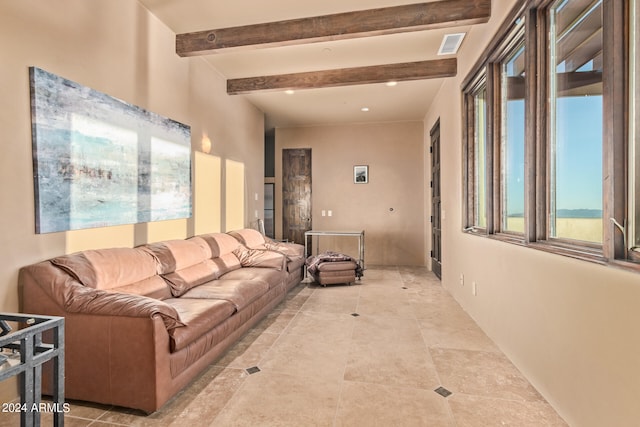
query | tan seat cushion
[199, 316]
[240, 293]
[273, 277]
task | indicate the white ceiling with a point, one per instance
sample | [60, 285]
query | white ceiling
[406, 101]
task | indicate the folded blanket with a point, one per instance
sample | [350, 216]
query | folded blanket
[314, 261]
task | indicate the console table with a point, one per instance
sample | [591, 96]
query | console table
[25, 357]
[358, 234]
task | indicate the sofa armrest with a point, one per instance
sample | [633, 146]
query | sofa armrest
[89, 301]
[73, 297]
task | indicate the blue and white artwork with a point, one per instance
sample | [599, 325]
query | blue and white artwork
[99, 161]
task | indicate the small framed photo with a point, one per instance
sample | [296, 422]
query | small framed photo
[361, 174]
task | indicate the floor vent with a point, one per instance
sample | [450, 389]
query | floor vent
[443, 392]
[252, 370]
[451, 43]
[355, 314]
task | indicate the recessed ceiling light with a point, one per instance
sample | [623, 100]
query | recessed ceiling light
[290, 92]
[392, 83]
[365, 109]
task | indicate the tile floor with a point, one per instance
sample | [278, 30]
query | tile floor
[370, 354]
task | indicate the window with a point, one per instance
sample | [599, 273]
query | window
[495, 182]
[480, 157]
[476, 153]
[558, 122]
[575, 118]
[512, 90]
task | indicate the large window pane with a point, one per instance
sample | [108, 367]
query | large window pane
[576, 120]
[480, 157]
[512, 143]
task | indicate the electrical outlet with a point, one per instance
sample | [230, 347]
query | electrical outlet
[474, 289]
[330, 213]
[461, 279]
[324, 213]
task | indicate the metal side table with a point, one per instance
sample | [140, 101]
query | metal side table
[24, 353]
[318, 233]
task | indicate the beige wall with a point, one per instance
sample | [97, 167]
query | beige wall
[116, 47]
[570, 326]
[394, 153]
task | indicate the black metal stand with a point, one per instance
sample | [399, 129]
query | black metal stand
[27, 340]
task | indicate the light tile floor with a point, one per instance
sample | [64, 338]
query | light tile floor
[370, 354]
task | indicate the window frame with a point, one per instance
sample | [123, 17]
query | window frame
[477, 85]
[589, 249]
[488, 70]
[616, 116]
[515, 39]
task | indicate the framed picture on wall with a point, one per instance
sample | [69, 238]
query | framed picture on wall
[361, 174]
[100, 161]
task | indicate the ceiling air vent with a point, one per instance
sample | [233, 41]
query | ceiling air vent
[451, 43]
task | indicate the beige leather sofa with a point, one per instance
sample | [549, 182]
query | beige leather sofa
[141, 323]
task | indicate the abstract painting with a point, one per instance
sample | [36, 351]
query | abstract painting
[99, 161]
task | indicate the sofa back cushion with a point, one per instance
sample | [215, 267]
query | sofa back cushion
[222, 247]
[127, 270]
[249, 237]
[184, 264]
[260, 258]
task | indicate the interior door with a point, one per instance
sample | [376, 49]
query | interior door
[436, 214]
[296, 194]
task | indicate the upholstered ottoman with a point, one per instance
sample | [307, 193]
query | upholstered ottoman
[331, 268]
[331, 273]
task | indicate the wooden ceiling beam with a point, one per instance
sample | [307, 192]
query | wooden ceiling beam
[364, 23]
[345, 77]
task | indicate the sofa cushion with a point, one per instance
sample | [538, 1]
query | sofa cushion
[260, 258]
[239, 292]
[292, 250]
[253, 239]
[272, 276]
[221, 246]
[183, 264]
[108, 268]
[152, 287]
[183, 280]
[199, 316]
[248, 237]
[174, 255]
[226, 263]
